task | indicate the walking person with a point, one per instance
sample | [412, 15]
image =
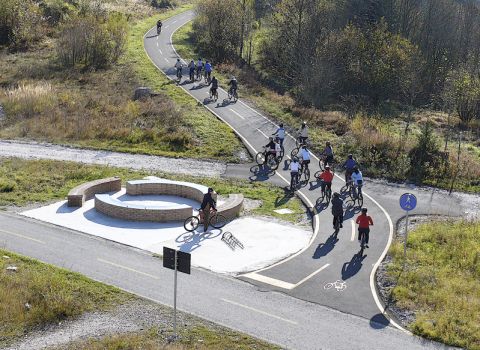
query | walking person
[208, 203]
[364, 222]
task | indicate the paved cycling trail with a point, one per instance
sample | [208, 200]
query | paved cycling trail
[327, 259]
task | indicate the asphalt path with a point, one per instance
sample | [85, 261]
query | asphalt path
[275, 317]
[327, 259]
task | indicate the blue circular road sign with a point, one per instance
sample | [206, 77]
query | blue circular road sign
[408, 201]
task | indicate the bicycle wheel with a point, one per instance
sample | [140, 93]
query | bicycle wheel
[235, 96]
[345, 188]
[260, 158]
[321, 164]
[218, 221]
[273, 163]
[191, 223]
[352, 193]
[294, 152]
[320, 200]
[306, 175]
[282, 152]
[360, 200]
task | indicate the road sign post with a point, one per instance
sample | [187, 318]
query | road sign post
[177, 261]
[407, 202]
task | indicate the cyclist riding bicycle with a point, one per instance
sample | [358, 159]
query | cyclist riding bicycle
[208, 69]
[349, 165]
[199, 68]
[328, 153]
[357, 179]
[337, 210]
[364, 222]
[303, 133]
[159, 26]
[233, 85]
[179, 66]
[270, 150]
[208, 203]
[280, 133]
[214, 83]
[294, 166]
[305, 155]
[191, 68]
[327, 177]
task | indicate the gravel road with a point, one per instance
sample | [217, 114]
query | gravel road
[37, 150]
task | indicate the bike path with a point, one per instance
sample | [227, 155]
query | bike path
[325, 260]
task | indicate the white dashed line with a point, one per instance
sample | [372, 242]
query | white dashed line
[127, 268]
[261, 132]
[237, 113]
[22, 236]
[259, 311]
[353, 231]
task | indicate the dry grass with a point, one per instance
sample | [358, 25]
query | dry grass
[38, 294]
[27, 100]
[441, 283]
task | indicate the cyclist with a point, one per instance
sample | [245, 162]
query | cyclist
[303, 133]
[328, 153]
[199, 68]
[294, 166]
[233, 85]
[159, 26]
[208, 203]
[191, 67]
[270, 150]
[208, 70]
[364, 222]
[349, 165]
[337, 210]
[280, 133]
[357, 179]
[327, 177]
[305, 154]
[213, 89]
[179, 66]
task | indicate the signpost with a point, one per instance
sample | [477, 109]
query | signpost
[407, 202]
[178, 261]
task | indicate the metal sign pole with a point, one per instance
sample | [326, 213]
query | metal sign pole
[175, 299]
[405, 242]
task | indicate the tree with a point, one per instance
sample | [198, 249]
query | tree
[425, 155]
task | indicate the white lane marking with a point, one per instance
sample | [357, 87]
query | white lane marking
[261, 132]
[236, 113]
[22, 236]
[259, 311]
[171, 42]
[127, 268]
[174, 21]
[166, 26]
[268, 280]
[279, 283]
[165, 59]
[160, 50]
[311, 275]
[353, 231]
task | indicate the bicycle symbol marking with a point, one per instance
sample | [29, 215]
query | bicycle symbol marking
[339, 285]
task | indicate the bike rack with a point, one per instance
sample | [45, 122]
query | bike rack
[231, 241]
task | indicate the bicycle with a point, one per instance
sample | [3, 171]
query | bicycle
[272, 162]
[282, 149]
[327, 194]
[363, 238]
[179, 76]
[232, 94]
[159, 30]
[358, 197]
[300, 141]
[214, 96]
[207, 78]
[303, 173]
[192, 76]
[322, 162]
[199, 74]
[347, 187]
[294, 182]
[216, 221]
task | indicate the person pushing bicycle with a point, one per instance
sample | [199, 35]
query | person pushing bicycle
[208, 204]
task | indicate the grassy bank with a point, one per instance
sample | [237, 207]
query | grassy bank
[53, 180]
[196, 337]
[441, 283]
[357, 133]
[94, 108]
[38, 294]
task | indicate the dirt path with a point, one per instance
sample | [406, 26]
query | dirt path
[36, 150]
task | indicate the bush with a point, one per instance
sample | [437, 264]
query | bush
[425, 156]
[6, 186]
[92, 41]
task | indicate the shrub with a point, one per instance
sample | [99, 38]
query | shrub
[424, 157]
[6, 186]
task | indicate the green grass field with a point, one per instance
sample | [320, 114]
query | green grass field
[53, 180]
[441, 283]
[53, 294]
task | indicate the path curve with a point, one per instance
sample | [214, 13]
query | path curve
[293, 275]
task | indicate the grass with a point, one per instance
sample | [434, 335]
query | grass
[94, 109]
[348, 135]
[194, 337]
[441, 283]
[53, 180]
[53, 294]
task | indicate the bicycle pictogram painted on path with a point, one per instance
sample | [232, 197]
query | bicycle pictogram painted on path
[339, 285]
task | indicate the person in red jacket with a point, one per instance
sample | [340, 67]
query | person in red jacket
[364, 222]
[327, 177]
